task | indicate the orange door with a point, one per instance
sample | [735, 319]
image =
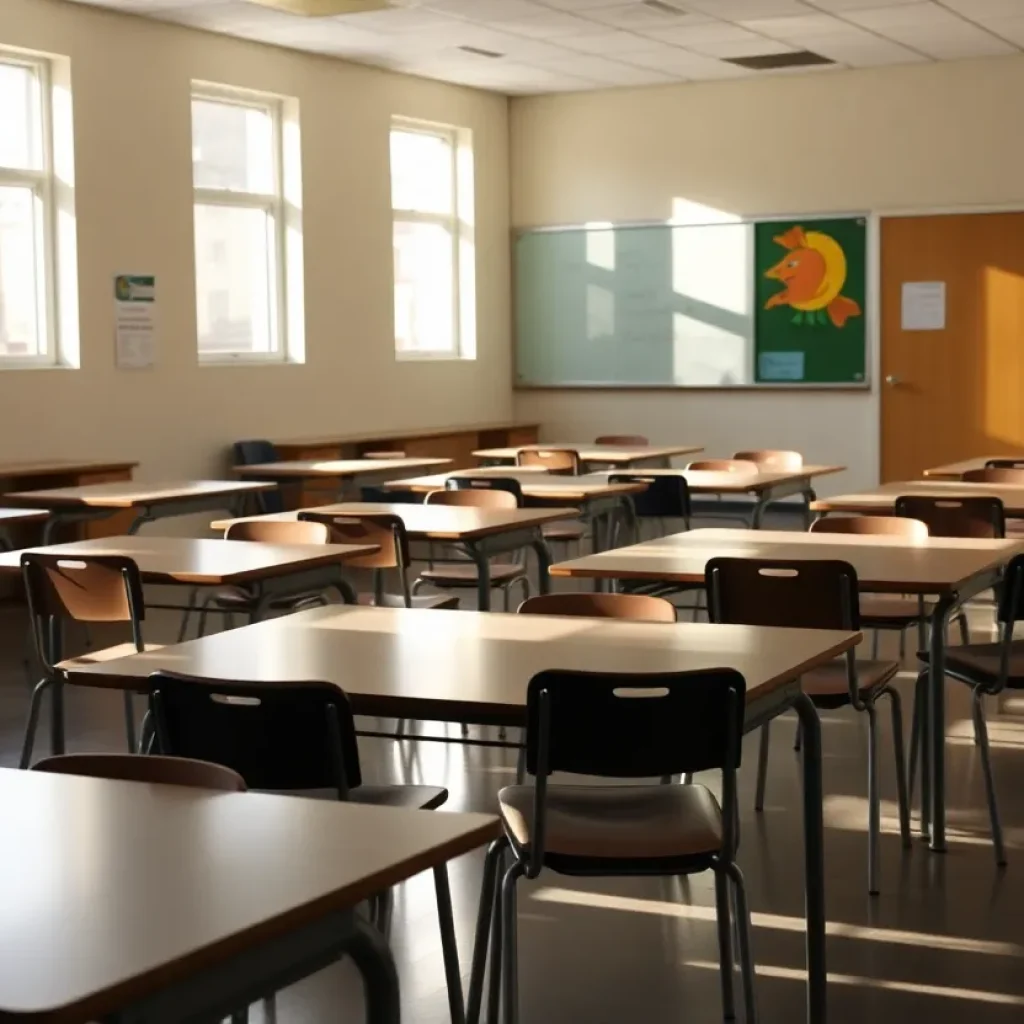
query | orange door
[955, 393]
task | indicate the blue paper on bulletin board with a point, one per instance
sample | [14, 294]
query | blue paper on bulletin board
[780, 366]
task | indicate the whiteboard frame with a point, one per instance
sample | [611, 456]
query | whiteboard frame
[871, 279]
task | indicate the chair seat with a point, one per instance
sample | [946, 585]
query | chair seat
[104, 655]
[979, 663]
[465, 574]
[890, 612]
[828, 688]
[446, 601]
[564, 531]
[618, 822]
[416, 798]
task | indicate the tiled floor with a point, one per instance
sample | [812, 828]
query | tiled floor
[944, 940]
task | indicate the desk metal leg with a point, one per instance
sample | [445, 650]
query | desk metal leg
[540, 549]
[371, 955]
[935, 728]
[483, 576]
[814, 860]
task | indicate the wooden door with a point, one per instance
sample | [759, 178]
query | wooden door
[956, 393]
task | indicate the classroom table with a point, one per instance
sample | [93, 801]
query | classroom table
[765, 486]
[949, 570]
[128, 902]
[147, 501]
[881, 501]
[615, 455]
[342, 471]
[475, 668]
[482, 533]
[269, 571]
[955, 470]
[13, 516]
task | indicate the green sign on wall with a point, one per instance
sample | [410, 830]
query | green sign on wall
[809, 309]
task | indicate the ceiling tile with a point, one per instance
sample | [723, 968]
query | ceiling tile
[639, 18]
[737, 10]
[581, 5]
[607, 42]
[983, 11]
[488, 10]
[720, 39]
[920, 15]
[798, 26]
[1010, 29]
[840, 6]
[861, 51]
[551, 25]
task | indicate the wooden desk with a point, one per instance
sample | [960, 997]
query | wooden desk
[765, 486]
[616, 455]
[882, 500]
[475, 667]
[481, 533]
[955, 470]
[146, 502]
[13, 517]
[127, 901]
[950, 570]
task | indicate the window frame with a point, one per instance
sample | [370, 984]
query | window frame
[272, 204]
[450, 221]
[41, 183]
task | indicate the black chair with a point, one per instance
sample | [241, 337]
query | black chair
[988, 669]
[812, 594]
[625, 727]
[255, 453]
[666, 497]
[1005, 464]
[294, 736]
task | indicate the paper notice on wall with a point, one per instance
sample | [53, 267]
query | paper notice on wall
[135, 321]
[923, 306]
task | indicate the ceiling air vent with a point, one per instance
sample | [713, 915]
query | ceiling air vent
[478, 51]
[774, 61]
[323, 8]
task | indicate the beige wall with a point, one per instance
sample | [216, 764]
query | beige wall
[130, 81]
[918, 137]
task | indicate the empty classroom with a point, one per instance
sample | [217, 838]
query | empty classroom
[511, 511]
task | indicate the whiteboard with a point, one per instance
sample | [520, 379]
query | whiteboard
[651, 305]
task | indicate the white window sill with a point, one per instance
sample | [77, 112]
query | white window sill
[248, 361]
[432, 357]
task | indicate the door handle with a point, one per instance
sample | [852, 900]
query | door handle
[892, 380]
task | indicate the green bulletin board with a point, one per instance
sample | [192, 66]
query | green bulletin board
[810, 294]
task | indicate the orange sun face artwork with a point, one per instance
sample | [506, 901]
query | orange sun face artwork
[813, 273]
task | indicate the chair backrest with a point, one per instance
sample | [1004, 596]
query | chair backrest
[665, 496]
[635, 607]
[772, 592]
[380, 528]
[773, 458]
[486, 483]
[1011, 595]
[953, 516]
[1005, 464]
[278, 531]
[996, 475]
[168, 771]
[619, 725]
[879, 526]
[725, 465]
[485, 498]
[287, 736]
[96, 588]
[555, 460]
[255, 453]
[626, 440]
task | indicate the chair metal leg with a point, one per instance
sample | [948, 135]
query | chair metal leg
[762, 766]
[902, 794]
[33, 722]
[129, 720]
[798, 739]
[509, 957]
[746, 956]
[903, 646]
[449, 946]
[874, 644]
[385, 911]
[193, 594]
[521, 766]
[874, 809]
[965, 631]
[494, 982]
[483, 930]
[977, 717]
[147, 737]
[990, 786]
[270, 1010]
[724, 942]
[918, 724]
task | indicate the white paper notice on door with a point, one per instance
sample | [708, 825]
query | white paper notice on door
[923, 306]
[135, 321]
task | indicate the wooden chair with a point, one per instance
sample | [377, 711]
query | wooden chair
[881, 612]
[231, 601]
[168, 771]
[296, 737]
[464, 575]
[725, 466]
[816, 595]
[634, 607]
[93, 589]
[392, 555]
[563, 461]
[773, 459]
[624, 727]
[706, 505]
[622, 440]
[995, 475]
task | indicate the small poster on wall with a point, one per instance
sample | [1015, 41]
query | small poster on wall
[810, 293]
[134, 321]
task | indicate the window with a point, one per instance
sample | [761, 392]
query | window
[431, 199]
[28, 335]
[242, 214]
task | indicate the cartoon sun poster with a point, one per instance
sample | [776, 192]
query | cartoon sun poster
[809, 313]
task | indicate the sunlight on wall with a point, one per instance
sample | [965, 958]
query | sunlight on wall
[600, 244]
[1004, 366]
